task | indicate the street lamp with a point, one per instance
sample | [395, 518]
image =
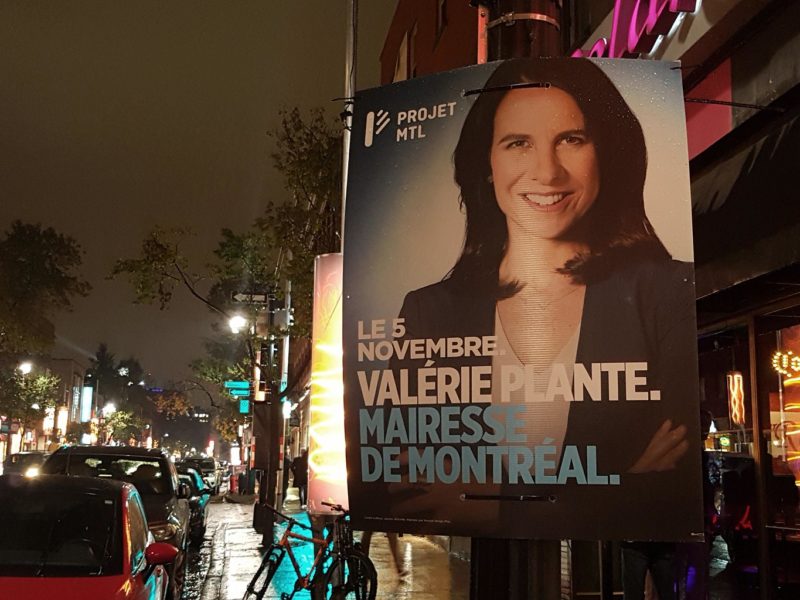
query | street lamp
[109, 409]
[25, 367]
[237, 323]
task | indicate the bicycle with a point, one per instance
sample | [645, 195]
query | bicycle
[342, 570]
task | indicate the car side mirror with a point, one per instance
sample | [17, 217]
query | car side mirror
[184, 491]
[160, 553]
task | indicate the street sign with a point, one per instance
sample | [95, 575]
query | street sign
[250, 298]
[240, 393]
[244, 407]
[237, 385]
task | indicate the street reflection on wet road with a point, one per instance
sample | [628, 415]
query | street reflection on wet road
[199, 560]
[231, 553]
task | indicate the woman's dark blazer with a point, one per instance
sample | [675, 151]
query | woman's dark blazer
[641, 312]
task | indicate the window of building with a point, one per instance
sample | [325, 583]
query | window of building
[412, 52]
[401, 64]
[583, 18]
[441, 17]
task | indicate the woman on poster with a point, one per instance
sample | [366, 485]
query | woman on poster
[562, 265]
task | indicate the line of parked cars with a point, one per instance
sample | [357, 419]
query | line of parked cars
[108, 522]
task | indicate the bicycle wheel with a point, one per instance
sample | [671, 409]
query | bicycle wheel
[266, 571]
[351, 578]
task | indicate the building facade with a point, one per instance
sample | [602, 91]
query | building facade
[740, 61]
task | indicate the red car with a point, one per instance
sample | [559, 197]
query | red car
[78, 538]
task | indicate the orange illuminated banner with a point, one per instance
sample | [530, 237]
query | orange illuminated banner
[327, 481]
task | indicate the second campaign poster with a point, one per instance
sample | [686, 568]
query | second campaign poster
[518, 319]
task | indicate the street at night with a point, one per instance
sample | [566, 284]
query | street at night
[400, 300]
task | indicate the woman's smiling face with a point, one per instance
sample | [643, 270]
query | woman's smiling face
[544, 163]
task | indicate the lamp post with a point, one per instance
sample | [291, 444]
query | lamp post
[238, 324]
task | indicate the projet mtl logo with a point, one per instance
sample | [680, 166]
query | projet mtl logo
[409, 125]
[376, 122]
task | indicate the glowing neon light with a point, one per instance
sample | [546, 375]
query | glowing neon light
[327, 473]
[637, 25]
[786, 363]
[736, 397]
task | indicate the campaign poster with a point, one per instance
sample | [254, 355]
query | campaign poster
[519, 327]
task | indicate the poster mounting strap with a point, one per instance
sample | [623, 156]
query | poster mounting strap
[512, 17]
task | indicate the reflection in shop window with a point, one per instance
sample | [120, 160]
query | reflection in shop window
[784, 408]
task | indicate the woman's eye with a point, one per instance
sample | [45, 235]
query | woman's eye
[518, 144]
[573, 140]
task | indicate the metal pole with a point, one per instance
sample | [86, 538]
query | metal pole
[284, 382]
[350, 63]
[761, 457]
[532, 30]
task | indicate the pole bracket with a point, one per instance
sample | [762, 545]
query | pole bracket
[512, 17]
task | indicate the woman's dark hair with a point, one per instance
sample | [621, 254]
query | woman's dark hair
[615, 229]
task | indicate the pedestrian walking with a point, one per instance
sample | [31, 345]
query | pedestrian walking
[287, 470]
[300, 473]
[657, 558]
[394, 548]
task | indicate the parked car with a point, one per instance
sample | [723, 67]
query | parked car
[209, 468]
[78, 538]
[198, 502]
[25, 463]
[166, 500]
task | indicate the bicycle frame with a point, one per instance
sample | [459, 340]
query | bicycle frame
[321, 544]
[336, 545]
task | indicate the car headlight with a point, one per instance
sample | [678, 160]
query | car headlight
[163, 531]
[31, 471]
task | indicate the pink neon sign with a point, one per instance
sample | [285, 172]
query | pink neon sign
[636, 26]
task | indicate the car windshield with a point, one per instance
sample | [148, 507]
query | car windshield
[63, 534]
[150, 475]
[205, 465]
[23, 460]
[19, 462]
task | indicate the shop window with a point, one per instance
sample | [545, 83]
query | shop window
[777, 350]
[729, 469]
[724, 390]
[781, 412]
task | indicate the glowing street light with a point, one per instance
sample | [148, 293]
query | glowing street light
[25, 367]
[109, 409]
[237, 323]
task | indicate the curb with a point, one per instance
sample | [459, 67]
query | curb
[240, 498]
[212, 585]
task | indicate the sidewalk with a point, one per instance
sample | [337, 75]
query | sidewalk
[432, 574]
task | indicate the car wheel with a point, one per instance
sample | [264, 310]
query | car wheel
[178, 576]
[197, 535]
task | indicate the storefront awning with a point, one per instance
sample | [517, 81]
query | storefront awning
[747, 211]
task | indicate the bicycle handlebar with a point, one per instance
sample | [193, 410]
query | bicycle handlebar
[334, 506]
[288, 518]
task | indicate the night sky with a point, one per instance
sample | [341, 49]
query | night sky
[117, 116]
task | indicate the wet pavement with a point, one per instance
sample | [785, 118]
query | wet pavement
[231, 554]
